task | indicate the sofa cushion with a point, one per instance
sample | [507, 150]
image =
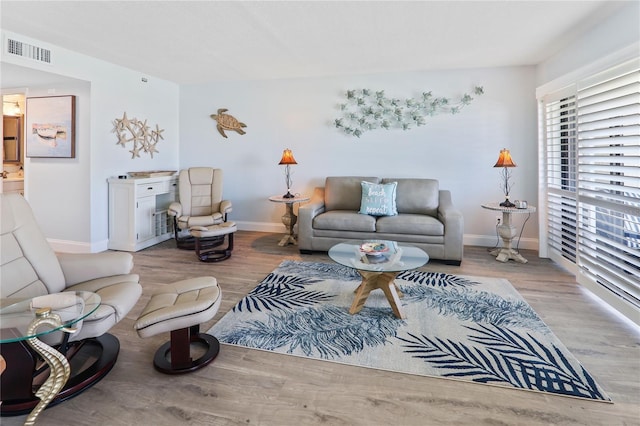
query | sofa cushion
[418, 224]
[345, 220]
[378, 199]
[344, 192]
[417, 196]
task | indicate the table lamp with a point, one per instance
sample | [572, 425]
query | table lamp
[505, 161]
[287, 160]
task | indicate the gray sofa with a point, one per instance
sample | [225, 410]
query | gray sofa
[426, 217]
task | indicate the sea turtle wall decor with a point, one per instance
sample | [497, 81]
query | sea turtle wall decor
[227, 122]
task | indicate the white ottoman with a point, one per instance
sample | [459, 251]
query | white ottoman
[205, 233]
[180, 308]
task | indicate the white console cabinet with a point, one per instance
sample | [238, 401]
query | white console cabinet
[138, 211]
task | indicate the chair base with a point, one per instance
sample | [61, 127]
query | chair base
[188, 242]
[206, 253]
[18, 397]
[179, 347]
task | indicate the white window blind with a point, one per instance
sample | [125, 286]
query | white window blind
[561, 175]
[592, 182]
[608, 117]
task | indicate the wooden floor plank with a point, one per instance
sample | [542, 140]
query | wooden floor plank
[252, 387]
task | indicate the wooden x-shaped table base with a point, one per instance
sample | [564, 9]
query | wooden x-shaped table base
[385, 282]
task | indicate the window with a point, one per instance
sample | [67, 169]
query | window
[592, 181]
[561, 173]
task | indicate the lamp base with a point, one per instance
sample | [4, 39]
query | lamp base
[507, 203]
[288, 195]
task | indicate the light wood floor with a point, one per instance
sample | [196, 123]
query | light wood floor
[251, 387]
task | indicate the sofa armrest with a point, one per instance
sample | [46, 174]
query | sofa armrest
[81, 267]
[453, 222]
[306, 213]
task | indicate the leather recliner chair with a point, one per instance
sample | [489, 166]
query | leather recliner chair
[29, 267]
[200, 204]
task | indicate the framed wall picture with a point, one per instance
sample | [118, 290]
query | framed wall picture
[51, 127]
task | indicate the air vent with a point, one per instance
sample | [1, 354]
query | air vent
[28, 51]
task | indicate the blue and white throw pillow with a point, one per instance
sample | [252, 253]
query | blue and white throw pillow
[378, 199]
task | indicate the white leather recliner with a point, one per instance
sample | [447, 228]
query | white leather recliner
[200, 203]
[29, 267]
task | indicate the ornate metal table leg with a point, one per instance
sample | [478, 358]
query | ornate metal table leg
[58, 364]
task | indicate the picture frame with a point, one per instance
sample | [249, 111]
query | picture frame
[51, 127]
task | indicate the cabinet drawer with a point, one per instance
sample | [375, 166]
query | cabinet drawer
[152, 188]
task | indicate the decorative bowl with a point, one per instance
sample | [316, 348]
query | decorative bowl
[374, 248]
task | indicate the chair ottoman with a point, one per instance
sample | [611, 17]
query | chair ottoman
[180, 308]
[202, 234]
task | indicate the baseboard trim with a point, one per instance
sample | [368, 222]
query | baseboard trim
[468, 239]
[278, 228]
[260, 226]
[65, 246]
[493, 241]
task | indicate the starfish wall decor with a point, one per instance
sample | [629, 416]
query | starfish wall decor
[133, 130]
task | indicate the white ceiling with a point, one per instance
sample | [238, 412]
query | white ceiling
[200, 41]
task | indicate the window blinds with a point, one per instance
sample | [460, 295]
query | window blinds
[561, 175]
[608, 122]
[592, 180]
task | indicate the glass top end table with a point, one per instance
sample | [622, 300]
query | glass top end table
[26, 320]
[17, 315]
[507, 232]
[378, 262]
[289, 218]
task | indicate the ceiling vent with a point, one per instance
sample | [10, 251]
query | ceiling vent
[28, 51]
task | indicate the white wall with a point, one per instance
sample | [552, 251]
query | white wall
[458, 150]
[70, 196]
[52, 183]
[618, 31]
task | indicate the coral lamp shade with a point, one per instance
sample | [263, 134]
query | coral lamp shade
[503, 161]
[287, 157]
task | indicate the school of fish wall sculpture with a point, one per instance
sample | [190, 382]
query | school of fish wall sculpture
[366, 110]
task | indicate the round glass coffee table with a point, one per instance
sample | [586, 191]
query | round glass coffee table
[378, 262]
[24, 323]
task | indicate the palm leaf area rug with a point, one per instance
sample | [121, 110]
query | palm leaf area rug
[468, 328]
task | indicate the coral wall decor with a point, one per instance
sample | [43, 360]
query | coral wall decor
[366, 110]
[133, 130]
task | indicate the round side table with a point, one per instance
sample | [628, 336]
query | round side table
[21, 327]
[289, 219]
[507, 232]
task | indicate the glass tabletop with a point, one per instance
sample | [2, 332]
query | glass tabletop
[296, 199]
[378, 256]
[17, 314]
